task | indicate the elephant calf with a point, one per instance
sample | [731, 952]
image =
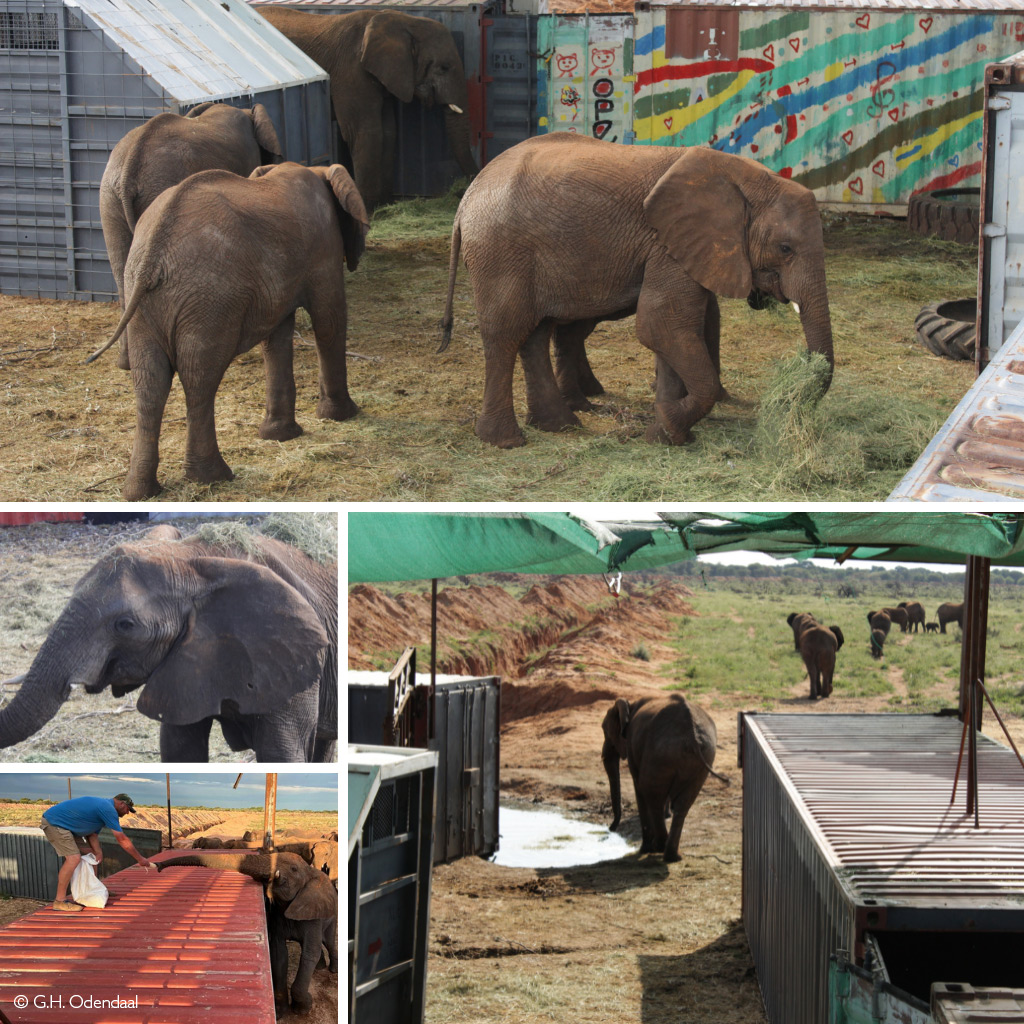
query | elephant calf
[818, 647]
[931, 627]
[219, 264]
[799, 621]
[877, 643]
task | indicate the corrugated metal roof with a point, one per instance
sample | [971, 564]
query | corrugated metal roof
[458, 4]
[190, 944]
[199, 50]
[876, 790]
[978, 453]
[949, 6]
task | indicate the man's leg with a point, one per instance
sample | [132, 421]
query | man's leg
[67, 846]
[67, 869]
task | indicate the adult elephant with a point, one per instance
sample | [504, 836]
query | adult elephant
[818, 647]
[950, 613]
[374, 58]
[670, 747]
[899, 616]
[880, 621]
[915, 614]
[567, 230]
[246, 636]
[799, 621]
[166, 150]
[302, 906]
[219, 265]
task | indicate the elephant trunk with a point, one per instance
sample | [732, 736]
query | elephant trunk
[817, 327]
[458, 129]
[255, 865]
[610, 757]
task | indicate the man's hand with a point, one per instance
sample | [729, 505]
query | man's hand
[147, 864]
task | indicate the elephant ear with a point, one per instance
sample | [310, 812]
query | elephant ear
[250, 638]
[199, 110]
[386, 52]
[838, 633]
[699, 212]
[266, 135]
[355, 221]
[316, 899]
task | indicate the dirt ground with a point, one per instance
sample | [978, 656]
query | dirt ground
[634, 941]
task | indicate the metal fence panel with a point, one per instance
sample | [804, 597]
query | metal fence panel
[28, 863]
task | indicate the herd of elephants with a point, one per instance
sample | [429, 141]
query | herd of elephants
[207, 196]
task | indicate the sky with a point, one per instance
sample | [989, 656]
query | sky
[296, 791]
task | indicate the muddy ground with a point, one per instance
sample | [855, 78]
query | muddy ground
[634, 941]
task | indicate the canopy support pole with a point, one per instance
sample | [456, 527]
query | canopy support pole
[972, 664]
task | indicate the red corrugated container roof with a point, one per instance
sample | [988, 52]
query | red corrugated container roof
[189, 944]
[22, 518]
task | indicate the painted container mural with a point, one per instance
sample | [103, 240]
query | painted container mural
[864, 105]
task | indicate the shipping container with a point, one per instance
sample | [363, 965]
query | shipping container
[390, 859]
[78, 75]
[465, 729]
[25, 518]
[850, 843]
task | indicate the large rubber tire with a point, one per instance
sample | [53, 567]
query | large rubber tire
[952, 214]
[948, 328]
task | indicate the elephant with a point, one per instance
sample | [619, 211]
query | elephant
[880, 621]
[950, 613]
[670, 747]
[800, 621]
[219, 264]
[301, 905]
[818, 647]
[211, 632]
[899, 616]
[374, 58]
[166, 150]
[931, 627]
[877, 643]
[670, 229]
[915, 614]
[321, 854]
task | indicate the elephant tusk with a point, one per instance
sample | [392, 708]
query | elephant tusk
[13, 681]
[454, 109]
[797, 308]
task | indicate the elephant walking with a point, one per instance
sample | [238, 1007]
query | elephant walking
[165, 151]
[220, 264]
[673, 229]
[818, 647]
[670, 747]
[375, 58]
[210, 632]
[302, 906]
[880, 621]
[950, 613]
[877, 643]
[915, 614]
[900, 616]
[800, 621]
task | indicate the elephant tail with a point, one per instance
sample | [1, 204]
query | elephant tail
[453, 267]
[711, 771]
[143, 284]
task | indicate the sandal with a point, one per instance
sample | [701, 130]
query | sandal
[66, 905]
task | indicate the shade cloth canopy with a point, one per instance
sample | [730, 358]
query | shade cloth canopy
[426, 545]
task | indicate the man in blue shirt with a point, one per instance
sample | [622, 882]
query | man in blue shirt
[84, 816]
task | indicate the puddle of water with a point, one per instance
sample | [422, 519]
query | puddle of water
[546, 839]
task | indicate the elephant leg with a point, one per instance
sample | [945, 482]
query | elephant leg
[185, 742]
[680, 806]
[312, 942]
[813, 674]
[497, 421]
[330, 941]
[324, 750]
[389, 141]
[278, 959]
[712, 339]
[329, 315]
[286, 734]
[200, 380]
[151, 377]
[545, 406]
[576, 380]
[279, 419]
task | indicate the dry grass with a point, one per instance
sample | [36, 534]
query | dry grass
[66, 428]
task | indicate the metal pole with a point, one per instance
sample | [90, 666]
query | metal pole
[170, 834]
[269, 811]
[433, 659]
[69, 787]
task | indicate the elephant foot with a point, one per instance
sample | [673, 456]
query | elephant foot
[208, 471]
[279, 429]
[500, 433]
[657, 434]
[672, 858]
[555, 422]
[122, 360]
[613, 827]
[140, 488]
[592, 387]
[328, 409]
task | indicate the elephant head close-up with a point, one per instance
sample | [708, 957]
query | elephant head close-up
[205, 631]
[376, 58]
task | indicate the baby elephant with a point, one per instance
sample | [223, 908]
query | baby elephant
[818, 646]
[219, 264]
[931, 627]
[877, 643]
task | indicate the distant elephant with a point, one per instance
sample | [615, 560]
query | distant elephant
[302, 906]
[877, 643]
[950, 613]
[899, 616]
[321, 854]
[880, 621]
[166, 150]
[673, 227]
[374, 58]
[208, 843]
[915, 614]
[931, 627]
[212, 632]
[670, 746]
[818, 647]
[220, 264]
[799, 621]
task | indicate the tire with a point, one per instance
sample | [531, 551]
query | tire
[948, 328]
[952, 214]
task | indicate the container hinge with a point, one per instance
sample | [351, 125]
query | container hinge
[993, 230]
[998, 102]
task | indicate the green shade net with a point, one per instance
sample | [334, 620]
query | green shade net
[425, 545]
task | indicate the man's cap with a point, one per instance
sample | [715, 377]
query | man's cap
[128, 800]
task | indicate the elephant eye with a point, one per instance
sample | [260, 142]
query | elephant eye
[785, 249]
[124, 624]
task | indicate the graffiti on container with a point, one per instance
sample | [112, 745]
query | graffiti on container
[571, 98]
[567, 64]
[604, 107]
[881, 98]
[602, 60]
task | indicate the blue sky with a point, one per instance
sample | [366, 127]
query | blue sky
[296, 791]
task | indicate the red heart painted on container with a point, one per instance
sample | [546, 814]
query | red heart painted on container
[879, 168]
[926, 24]
[769, 52]
[668, 123]
[894, 114]
[857, 187]
[795, 45]
[863, 21]
[848, 138]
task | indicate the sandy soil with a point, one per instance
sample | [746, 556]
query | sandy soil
[629, 940]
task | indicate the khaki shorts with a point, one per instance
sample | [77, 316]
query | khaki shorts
[60, 839]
